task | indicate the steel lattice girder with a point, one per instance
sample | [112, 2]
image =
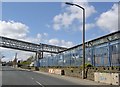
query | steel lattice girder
[27, 46]
[98, 41]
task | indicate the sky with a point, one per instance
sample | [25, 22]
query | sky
[55, 23]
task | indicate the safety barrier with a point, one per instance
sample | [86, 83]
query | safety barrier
[51, 71]
[110, 78]
[56, 71]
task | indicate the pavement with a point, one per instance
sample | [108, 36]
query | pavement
[75, 80]
[21, 77]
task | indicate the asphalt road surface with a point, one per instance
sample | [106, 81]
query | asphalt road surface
[12, 77]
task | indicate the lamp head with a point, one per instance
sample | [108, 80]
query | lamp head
[69, 3]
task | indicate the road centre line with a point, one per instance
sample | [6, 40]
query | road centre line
[39, 83]
[32, 78]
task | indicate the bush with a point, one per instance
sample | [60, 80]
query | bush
[87, 65]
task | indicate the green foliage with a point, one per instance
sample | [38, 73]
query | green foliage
[86, 65]
[25, 63]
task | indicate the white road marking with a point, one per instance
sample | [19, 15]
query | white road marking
[39, 83]
[32, 78]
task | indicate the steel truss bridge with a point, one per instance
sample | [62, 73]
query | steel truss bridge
[32, 47]
[27, 46]
[115, 36]
[40, 48]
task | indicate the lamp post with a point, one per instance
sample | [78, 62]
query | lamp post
[83, 37]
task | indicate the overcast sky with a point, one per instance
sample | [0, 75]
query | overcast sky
[55, 23]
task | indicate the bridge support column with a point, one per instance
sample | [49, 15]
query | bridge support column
[38, 56]
[36, 62]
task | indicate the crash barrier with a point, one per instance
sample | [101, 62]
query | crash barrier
[110, 78]
[56, 71]
[36, 68]
[51, 71]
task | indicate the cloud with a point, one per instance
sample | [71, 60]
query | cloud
[47, 25]
[45, 34]
[88, 26]
[10, 54]
[62, 43]
[56, 26]
[54, 41]
[39, 38]
[72, 13]
[26, 55]
[13, 29]
[18, 30]
[108, 21]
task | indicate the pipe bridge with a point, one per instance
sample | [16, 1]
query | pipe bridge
[27, 46]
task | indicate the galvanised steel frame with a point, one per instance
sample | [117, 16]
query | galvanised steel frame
[99, 50]
[27, 46]
[31, 47]
[99, 41]
[106, 41]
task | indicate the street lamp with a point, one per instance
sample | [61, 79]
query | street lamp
[83, 74]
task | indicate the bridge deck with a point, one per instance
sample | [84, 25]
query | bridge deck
[27, 46]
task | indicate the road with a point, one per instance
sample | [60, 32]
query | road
[16, 77]
[11, 76]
